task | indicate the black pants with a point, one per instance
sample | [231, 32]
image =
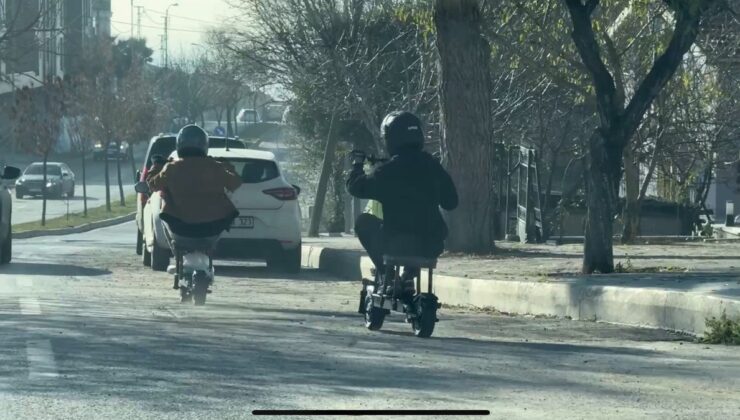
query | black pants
[198, 230]
[369, 230]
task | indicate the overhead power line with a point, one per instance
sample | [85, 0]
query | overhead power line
[159, 12]
[162, 28]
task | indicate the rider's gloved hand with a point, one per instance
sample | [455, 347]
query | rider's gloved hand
[358, 159]
[158, 160]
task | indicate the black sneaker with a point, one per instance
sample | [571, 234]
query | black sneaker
[407, 289]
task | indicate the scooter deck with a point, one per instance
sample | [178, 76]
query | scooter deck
[389, 303]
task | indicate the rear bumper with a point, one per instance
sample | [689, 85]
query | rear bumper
[251, 248]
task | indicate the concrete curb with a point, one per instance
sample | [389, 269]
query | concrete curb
[77, 229]
[643, 307]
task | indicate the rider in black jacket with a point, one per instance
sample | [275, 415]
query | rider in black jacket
[411, 186]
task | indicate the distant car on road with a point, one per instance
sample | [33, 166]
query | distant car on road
[163, 145]
[113, 152]
[273, 112]
[248, 116]
[60, 180]
[269, 222]
[8, 175]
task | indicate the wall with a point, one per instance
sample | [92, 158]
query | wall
[651, 224]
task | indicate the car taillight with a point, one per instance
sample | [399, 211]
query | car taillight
[283, 193]
[144, 173]
[143, 197]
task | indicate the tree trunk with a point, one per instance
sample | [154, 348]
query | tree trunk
[44, 193]
[229, 130]
[631, 213]
[336, 222]
[107, 178]
[118, 174]
[133, 163]
[602, 192]
[464, 90]
[326, 169]
[84, 185]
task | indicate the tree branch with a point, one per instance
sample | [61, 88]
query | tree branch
[684, 35]
[588, 48]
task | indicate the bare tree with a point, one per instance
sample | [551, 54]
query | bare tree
[75, 95]
[365, 59]
[99, 105]
[619, 119]
[37, 123]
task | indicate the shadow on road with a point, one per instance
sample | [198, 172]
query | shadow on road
[45, 269]
[261, 272]
[149, 361]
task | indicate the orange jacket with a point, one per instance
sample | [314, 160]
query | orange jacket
[195, 188]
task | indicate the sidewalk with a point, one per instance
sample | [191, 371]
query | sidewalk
[684, 283]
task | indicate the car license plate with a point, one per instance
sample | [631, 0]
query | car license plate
[244, 222]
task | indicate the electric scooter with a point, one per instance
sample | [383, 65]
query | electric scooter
[420, 309]
[193, 270]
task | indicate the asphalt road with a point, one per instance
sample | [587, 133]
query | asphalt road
[88, 333]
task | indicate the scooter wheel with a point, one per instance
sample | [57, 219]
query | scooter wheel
[200, 288]
[426, 315]
[185, 296]
[374, 316]
[363, 297]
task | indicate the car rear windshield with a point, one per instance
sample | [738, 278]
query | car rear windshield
[163, 146]
[254, 171]
[220, 143]
[39, 170]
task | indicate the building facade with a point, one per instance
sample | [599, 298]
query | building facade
[45, 38]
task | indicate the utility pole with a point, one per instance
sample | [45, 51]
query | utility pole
[166, 35]
[131, 38]
[162, 49]
[132, 19]
[166, 53]
[138, 20]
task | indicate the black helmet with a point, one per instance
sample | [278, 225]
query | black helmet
[192, 141]
[401, 130]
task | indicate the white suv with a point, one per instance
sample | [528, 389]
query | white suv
[269, 222]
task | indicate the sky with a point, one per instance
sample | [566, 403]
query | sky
[188, 22]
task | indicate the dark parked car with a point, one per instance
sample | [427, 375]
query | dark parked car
[163, 145]
[60, 180]
[6, 212]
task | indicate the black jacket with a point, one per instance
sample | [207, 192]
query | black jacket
[412, 186]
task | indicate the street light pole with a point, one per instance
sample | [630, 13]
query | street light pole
[166, 36]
